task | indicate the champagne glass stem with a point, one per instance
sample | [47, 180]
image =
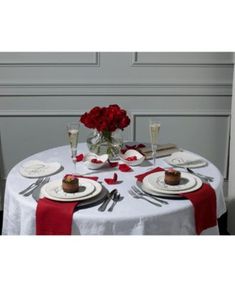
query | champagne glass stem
[74, 153]
[154, 153]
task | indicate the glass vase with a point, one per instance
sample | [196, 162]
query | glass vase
[105, 143]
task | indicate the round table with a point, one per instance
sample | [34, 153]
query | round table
[130, 216]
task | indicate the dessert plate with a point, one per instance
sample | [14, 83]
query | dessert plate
[157, 180]
[185, 159]
[53, 190]
[37, 168]
[195, 183]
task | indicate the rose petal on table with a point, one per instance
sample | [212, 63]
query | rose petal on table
[112, 180]
[124, 167]
[113, 164]
[79, 157]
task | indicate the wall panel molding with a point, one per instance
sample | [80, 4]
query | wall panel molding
[115, 89]
[133, 113]
[195, 59]
[55, 59]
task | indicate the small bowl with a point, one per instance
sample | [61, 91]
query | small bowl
[93, 165]
[132, 153]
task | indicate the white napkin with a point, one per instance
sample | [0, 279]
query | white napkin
[184, 158]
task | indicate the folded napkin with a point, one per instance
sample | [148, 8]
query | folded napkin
[203, 201]
[55, 217]
[184, 158]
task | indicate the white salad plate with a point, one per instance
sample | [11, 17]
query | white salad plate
[148, 182]
[53, 190]
[37, 168]
[185, 159]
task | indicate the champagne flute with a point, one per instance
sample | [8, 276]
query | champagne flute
[73, 134]
[154, 128]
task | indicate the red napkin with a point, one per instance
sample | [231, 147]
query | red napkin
[112, 180]
[203, 201]
[55, 217]
[140, 177]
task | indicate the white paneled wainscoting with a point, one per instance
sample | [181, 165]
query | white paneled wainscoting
[190, 93]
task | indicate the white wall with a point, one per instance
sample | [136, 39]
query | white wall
[189, 92]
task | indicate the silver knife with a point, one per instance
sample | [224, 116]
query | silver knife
[107, 200]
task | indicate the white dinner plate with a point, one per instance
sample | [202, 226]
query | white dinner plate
[185, 159]
[52, 189]
[175, 192]
[150, 191]
[37, 168]
[157, 180]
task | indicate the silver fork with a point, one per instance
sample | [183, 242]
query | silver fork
[116, 198]
[140, 192]
[35, 184]
[135, 195]
[45, 180]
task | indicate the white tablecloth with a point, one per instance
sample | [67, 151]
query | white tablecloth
[129, 217]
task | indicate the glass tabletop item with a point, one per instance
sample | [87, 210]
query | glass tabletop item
[37, 168]
[53, 190]
[154, 128]
[73, 135]
[185, 159]
[189, 183]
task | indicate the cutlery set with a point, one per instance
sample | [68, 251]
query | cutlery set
[38, 184]
[114, 196]
[139, 194]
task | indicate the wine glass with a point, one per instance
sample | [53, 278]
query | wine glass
[73, 134]
[154, 128]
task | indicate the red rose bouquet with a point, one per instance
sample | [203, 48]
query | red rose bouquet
[105, 121]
